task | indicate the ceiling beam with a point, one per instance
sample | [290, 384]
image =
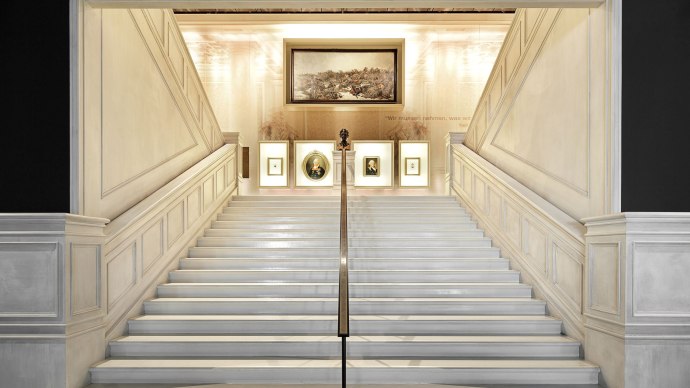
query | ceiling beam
[258, 4]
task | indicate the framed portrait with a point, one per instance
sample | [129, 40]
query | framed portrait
[412, 166]
[372, 166]
[315, 166]
[274, 166]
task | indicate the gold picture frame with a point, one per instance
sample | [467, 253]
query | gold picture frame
[412, 166]
[274, 166]
[315, 166]
[371, 166]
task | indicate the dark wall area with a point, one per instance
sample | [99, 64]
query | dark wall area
[656, 106]
[34, 145]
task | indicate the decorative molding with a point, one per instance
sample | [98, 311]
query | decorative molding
[521, 212]
[85, 284]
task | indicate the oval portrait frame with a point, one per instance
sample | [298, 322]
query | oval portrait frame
[307, 165]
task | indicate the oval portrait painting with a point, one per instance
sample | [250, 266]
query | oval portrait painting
[315, 166]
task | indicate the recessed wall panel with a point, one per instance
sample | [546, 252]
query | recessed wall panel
[29, 279]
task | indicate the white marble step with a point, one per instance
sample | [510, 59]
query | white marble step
[326, 242]
[335, 233]
[358, 347]
[373, 252]
[364, 219]
[329, 305]
[301, 371]
[357, 290]
[359, 324]
[353, 264]
[355, 276]
[291, 208]
[336, 198]
[330, 225]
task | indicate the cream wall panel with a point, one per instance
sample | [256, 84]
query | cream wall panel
[176, 56]
[512, 223]
[175, 222]
[220, 181]
[542, 242]
[152, 244]
[208, 192]
[29, 279]
[142, 106]
[480, 192]
[193, 206]
[547, 126]
[85, 266]
[494, 212]
[660, 284]
[604, 277]
[158, 20]
[535, 246]
[567, 273]
[122, 273]
[132, 130]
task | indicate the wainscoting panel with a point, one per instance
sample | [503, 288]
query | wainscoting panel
[85, 274]
[29, 274]
[544, 243]
[145, 242]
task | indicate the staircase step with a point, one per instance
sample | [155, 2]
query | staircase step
[373, 252]
[300, 371]
[335, 233]
[300, 306]
[363, 219]
[357, 290]
[358, 347]
[359, 324]
[356, 242]
[354, 263]
[353, 209]
[356, 276]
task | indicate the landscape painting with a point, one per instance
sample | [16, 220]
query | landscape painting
[343, 76]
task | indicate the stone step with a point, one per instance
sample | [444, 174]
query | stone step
[358, 347]
[331, 225]
[363, 219]
[335, 233]
[301, 371]
[354, 209]
[357, 290]
[355, 276]
[373, 252]
[353, 264]
[301, 306]
[326, 242]
[379, 324]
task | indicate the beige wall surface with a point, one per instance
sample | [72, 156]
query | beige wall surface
[543, 116]
[446, 67]
[146, 118]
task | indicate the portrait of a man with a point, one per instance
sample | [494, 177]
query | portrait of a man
[371, 166]
[315, 166]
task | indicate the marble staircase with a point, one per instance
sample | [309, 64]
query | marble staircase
[431, 302]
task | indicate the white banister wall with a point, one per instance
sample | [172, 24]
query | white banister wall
[543, 242]
[637, 298]
[69, 283]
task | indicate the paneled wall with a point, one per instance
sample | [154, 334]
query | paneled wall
[543, 242]
[544, 117]
[146, 116]
[446, 67]
[143, 244]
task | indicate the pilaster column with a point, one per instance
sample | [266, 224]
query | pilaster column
[52, 299]
[637, 298]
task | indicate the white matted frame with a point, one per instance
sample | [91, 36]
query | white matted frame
[313, 149]
[270, 152]
[414, 152]
[372, 149]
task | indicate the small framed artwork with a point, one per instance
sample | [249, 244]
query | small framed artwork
[275, 166]
[412, 166]
[315, 166]
[371, 166]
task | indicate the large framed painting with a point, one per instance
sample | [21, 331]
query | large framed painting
[356, 72]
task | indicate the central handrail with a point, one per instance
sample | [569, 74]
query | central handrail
[343, 286]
